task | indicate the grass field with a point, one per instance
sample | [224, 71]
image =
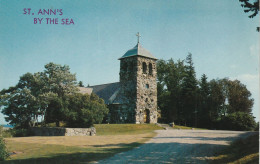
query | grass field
[110, 139]
[241, 151]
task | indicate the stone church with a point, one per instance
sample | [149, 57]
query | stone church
[134, 98]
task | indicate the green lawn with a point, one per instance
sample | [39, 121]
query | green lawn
[110, 139]
[121, 129]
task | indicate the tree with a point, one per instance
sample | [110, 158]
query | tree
[170, 76]
[85, 110]
[81, 84]
[58, 79]
[240, 121]
[215, 102]
[3, 150]
[189, 93]
[34, 83]
[42, 94]
[20, 107]
[238, 97]
[60, 82]
[251, 7]
[203, 102]
[227, 97]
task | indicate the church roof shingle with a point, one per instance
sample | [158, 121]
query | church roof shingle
[138, 50]
[84, 90]
[108, 92]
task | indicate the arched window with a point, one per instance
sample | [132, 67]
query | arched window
[144, 67]
[150, 69]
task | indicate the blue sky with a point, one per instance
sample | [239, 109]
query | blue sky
[221, 37]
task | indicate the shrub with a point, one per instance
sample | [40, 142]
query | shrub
[5, 133]
[84, 110]
[20, 132]
[3, 151]
[239, 121]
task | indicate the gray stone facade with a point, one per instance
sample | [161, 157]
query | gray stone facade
[134, 98]
[138, 88]
[146, 103]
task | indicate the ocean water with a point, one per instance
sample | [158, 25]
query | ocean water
[7, 126]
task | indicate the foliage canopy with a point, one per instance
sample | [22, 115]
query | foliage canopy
[49, 96]
[201, 103]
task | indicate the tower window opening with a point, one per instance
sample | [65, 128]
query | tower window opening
[147, 86]
[144, 67]
[150, 69]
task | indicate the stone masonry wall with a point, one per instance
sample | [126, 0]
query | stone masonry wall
[146, 103]
[49, 131]
[139, 90]
[128, 71]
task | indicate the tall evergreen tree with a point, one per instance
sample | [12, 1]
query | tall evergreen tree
[186, 101]
[189, 93]
[203, 102]
[81, 84]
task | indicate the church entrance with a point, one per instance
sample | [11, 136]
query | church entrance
[146, 116]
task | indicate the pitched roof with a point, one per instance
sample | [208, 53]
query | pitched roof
[138, 50]
[84, 90]
[108, 92]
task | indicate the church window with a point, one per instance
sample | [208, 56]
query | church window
[150, 69]
[144, 67]
[147, 86]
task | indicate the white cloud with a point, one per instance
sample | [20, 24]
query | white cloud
[254, 50]
[251, 81]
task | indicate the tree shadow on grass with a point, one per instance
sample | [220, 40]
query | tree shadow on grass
[246, 148]
[150, 152]
[147, 153]
[79, 157]
[230, 138]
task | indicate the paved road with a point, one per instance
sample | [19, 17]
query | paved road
[178, 146]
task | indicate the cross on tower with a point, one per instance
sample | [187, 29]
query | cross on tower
[138, 36]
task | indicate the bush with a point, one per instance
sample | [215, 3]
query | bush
[5, 133]
[239, 121]
[20, 132]
[3, 151]
[84, 110]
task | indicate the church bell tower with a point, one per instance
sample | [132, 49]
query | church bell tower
[138, 84]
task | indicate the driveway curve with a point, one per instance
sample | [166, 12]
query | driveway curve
[178, 146]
